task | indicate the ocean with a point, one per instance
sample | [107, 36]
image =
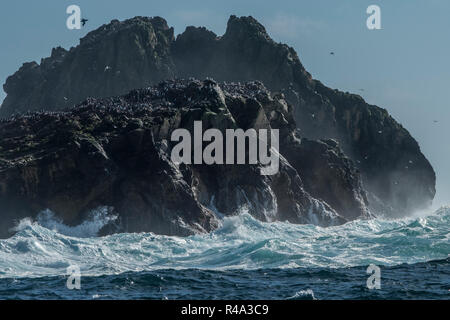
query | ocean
[243, 259]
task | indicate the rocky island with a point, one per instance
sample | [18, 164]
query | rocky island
[90, 127]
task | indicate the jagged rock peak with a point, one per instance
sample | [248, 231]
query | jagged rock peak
[244, 27]
[134, 24]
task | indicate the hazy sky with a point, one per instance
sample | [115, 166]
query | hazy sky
[404, 67]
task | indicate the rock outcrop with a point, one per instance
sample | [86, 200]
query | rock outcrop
[115, 153]
[138, 52]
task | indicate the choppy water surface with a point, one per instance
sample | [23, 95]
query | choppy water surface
[244, 259]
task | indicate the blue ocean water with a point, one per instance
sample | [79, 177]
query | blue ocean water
[243, 259]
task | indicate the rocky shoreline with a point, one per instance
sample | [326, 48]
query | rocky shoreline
[115, 152]
[342, 159]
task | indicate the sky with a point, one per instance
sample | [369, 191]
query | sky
[404, 67]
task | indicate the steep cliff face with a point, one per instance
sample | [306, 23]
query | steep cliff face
[141, 51]
[115, 153]
[109, 61]
[329, 175]
[397, 175]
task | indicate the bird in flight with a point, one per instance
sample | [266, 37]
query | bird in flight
[83, 21]
[332, 53]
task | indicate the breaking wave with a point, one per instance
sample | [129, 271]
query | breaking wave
[47, 247]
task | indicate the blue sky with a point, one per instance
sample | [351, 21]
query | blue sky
[404, 67]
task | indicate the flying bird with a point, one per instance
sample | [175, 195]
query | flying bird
[332, 53]
[83, 21]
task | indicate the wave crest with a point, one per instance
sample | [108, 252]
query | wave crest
[46, 247]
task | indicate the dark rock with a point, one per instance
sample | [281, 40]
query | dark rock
[329, 175]
[109, 61]
[115, 153]
[121, 56]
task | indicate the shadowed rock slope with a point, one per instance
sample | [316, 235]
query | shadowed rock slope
[139, 52]
[115, 153]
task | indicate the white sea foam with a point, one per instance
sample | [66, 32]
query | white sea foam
[307, 294]
[97, 219]
[47, 247]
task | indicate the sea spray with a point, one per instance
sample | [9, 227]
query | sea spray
[241, 243]
[97, 219]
